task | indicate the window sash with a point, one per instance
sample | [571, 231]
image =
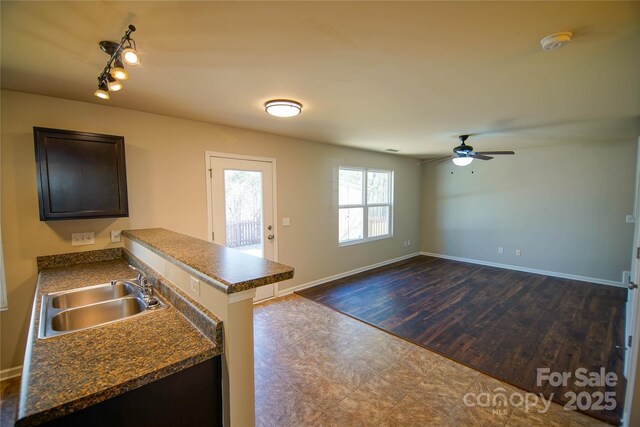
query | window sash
[365, 206]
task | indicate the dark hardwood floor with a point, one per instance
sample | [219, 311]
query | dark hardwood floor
[501, 322]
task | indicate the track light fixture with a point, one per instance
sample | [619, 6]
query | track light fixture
[114, 73]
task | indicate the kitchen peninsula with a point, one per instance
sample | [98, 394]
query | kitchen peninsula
[85, 368]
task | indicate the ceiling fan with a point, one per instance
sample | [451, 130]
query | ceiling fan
[463, 154]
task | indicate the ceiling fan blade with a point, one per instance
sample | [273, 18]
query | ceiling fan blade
[424, 162]
[481, 156]
[497, 153]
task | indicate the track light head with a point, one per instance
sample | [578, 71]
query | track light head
[103, 90]
[130, 56]
[113, 84]
[118, 71]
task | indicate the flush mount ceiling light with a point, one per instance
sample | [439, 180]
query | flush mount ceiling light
[556, 40]
[283, 107]
[110, 79]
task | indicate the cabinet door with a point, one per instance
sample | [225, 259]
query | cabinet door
[80, 175]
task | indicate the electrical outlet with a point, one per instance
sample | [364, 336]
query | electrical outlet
[115, 236]
[518, 252]
[194, 284]
[630, 219]
[408, 242]
[286, 221]
[79, 239]
[500, 250]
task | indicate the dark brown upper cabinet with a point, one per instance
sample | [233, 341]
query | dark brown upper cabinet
[80, 175]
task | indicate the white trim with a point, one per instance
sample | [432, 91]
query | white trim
[528, 270]
[6, 374]
[3, 283]
[281, 293]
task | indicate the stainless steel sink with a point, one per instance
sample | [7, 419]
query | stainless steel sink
[91, 295]
[96, 314]
[79, 309]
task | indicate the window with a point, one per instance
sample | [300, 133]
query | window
[365, 205]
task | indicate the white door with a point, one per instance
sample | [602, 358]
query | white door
[631, 309]
[633, 296]
[242, 208]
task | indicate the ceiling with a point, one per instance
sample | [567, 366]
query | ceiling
[374, 75]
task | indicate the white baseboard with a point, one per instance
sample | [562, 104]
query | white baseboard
[5, 374]
[281, 293]
[529, 270]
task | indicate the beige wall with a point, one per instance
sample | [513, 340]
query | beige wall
[166, 181]
[564, 207]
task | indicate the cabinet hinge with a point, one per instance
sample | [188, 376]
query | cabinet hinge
[638, 253]
[210, 174]
[629, 341]
[213, 236]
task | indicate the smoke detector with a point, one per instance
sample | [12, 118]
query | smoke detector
[556, 40]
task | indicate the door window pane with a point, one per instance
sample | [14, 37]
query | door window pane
[243, 210]
[378, 220]
[350, 184]
[350, 224]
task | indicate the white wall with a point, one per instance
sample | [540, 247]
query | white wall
[564, 207]
[166, 181]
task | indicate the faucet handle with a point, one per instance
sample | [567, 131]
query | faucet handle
[141, 276]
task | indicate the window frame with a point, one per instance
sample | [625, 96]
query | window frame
[365, 205]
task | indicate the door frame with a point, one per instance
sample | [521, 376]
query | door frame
[632, 324]
[231, 156]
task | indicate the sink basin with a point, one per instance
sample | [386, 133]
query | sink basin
[78, 309]
[91, 295]
[96, 314]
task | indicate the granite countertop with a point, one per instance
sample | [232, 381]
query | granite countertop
[226, 269]
[66, 373]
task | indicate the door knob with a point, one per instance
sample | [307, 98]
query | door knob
[632, 285]
[271, 237]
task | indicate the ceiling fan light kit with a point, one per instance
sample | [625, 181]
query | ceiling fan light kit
[462, 161]
[556, 40]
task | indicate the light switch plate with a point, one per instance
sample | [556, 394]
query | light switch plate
[286, 221]
[79, 239]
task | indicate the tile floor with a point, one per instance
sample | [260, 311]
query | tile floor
[9, 393]
[317, 367]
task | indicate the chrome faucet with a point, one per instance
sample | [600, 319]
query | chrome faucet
[141, 284]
